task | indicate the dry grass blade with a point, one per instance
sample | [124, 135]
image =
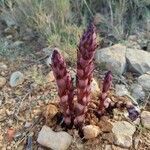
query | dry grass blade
[27, 133]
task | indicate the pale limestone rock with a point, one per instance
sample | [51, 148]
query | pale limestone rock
[54, 140]
[121, 90]
[91, 131]
[145, 118]
[2, 81]
[138, 60]
[113, 57]
[16, 79]
[123, 132]
[144, 80]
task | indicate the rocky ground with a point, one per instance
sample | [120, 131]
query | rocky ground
[29, 100]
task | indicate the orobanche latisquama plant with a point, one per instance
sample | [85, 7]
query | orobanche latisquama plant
[74, 111]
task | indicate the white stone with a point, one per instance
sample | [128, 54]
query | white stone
[17, 44]
[145, 118]
[121, 90]
[123, 132]
[138, 60]
[108, 147]
[54, 140]
[49, 61]
[113, 57]
[47, 50]
[3, 67]
[16, 79]
[144, 81]
[2, 81]
[91, 131]
[27, 124]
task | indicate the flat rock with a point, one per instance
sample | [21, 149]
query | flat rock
[113, 58]
[123, 132]
[138, 60]
[91, 131]
[2, 81]
[54, 140]
[137, 92]
[145, 118]
[144, 80]
[16, 79]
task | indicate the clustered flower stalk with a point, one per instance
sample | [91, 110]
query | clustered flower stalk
[85, 67]
[106, 105]
[104, 101]
[64, 84]
[75, 112]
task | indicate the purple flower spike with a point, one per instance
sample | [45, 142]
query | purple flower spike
[85, 67]
[64, 84]
[103, 97]
[107, 82]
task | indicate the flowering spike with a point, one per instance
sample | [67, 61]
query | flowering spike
[103, 97]
[107, 82]
[106, 105]
[64, 85]
[85, 66]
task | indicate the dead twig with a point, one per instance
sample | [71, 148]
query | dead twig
[35, 62]
[17, 109]
[27, 133]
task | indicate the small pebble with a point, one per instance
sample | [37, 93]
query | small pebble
[27, 124]
[91, 131]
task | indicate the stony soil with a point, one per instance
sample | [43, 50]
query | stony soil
[22, 107]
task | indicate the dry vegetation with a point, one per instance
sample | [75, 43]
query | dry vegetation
[60, 23]
[57, 23]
